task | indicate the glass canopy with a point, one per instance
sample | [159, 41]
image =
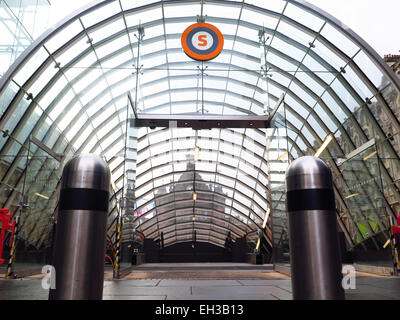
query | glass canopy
[286, 59]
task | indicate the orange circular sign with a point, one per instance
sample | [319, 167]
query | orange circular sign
[202, 41]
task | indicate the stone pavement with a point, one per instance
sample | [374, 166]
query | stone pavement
[203, 282]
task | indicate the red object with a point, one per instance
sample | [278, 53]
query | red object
[109, 258]
[396, 230]
[5, 219]
[253, 233]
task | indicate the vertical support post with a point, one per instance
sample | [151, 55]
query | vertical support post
[264, 63]
[80, 239]
[11, 260]
[313, 237]
[138, 66]
[395, 253]
[118, 238]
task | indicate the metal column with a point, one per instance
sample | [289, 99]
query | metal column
[14, 238]
[79, 248]
[315, 259]
[118, 240]
[395, 253]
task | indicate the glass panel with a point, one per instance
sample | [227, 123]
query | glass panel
[252, 16]
[7, 96]
[357, 83]
[392, 97]
[290, 30]
[328, 55]
[274, 5]
[224, 11]
[100, 14]
[371, 70]
[63, 36]
[339, 40]
[346, 96]
[333, 105]
[320, 68]
[304, 17]
[387, 123]
[31, 66]
[316, 127]
[361, 187]
[278, 157]
[43, 80]
[107, 31]
[21, 22]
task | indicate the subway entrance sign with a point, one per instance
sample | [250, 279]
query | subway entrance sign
[202, 41]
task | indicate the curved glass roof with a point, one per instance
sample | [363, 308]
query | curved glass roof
[69, 92]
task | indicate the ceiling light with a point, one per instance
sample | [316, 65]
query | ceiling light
[41, 196]
[352, 195]
[114, 187]
[196, 153]
[266, 218]
[369, 156]
[283, 156]
[328, 139]
[386, 244]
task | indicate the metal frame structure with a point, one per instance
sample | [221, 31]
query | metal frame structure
[69, 91]
[19, 28]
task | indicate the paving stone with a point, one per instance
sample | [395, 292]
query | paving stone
[132, 283]
[375, 289]
[261, 282]
[117, 297]
[194, 282]
[227, 296]
[237, 287]
[368, 296]
[131, 290]
[283, 295]
[243, 291]
[20, 296]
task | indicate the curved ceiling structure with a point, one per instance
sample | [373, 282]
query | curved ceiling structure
[69, 93]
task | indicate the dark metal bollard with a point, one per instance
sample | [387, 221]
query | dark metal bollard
[78, 256]
[315, 259]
